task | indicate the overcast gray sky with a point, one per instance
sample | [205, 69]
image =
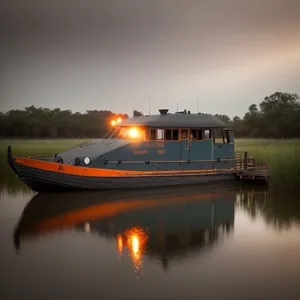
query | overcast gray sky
[83, 55]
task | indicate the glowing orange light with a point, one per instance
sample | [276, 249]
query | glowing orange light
[135, 241]
[113, 122]
[133, 133]
[119, 120]
[135, 244]
[120, 244]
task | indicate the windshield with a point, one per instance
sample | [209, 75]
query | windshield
[126, 133]
[117, 133]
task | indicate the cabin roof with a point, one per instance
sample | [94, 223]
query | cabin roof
[175, 121]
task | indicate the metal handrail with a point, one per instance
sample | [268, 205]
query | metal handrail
[167, 161]
[244, 162]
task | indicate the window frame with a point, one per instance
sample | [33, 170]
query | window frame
[228, 136]
[210, 134]
[200, 134]
[165, 134]
[188, 131]
[160, 130]
[150, 136]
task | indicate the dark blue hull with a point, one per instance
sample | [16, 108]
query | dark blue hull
[41, 180]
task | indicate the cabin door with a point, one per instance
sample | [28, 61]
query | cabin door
[184, 150]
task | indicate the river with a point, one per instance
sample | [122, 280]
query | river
[181, 243]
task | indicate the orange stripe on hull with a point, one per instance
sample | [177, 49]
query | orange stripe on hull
[94, 172]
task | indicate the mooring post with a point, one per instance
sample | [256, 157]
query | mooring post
[245, 160]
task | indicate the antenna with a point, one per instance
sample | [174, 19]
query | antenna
[198, 100]
[177, 106]
[149, 103]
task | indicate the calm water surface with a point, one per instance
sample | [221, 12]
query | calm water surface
[188, 243]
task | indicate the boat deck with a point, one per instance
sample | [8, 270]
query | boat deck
[254, 174]
[246, 169]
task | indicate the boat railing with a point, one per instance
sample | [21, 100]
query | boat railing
[41, 157]
[212, 168]
[244, 161]
[169, 161]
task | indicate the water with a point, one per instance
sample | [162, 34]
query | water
[180, 243]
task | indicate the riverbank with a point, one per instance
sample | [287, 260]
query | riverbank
[281, 156]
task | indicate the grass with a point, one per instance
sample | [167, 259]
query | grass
[26, 148]
[282, 157]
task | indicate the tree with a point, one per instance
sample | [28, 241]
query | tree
[281, 114]
[35, 122]
[253, 110]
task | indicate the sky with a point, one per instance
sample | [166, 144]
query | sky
[119, 55]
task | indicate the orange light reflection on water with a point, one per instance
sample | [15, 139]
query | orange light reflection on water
[134, 240]
[120, 244]
[135, 244]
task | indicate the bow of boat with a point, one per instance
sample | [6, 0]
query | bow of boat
[30, 172]
[11, 160]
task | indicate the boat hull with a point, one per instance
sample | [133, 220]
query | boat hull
[41, 180]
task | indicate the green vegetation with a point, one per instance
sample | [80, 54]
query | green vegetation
[278, 116]
[281, 156]
[43, 147]
[27, 148]
[35, 123]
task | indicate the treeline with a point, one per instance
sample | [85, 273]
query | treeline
[35, 122]
[277, 116]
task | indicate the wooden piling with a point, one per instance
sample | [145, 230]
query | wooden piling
[245, 160]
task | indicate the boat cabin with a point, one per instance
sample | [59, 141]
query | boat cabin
[163, 142]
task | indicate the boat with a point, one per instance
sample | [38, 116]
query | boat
[166, 149]
[166, 225]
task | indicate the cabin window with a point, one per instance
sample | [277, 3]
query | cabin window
[171, 134]
[194, 134]
[200, 134]
[184, 134]
[207, 134]
[219, 137]
[168, 134]
[153, 134]
[175, 135]
[147, 135]
[160, 134]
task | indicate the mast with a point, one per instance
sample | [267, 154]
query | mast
[149, 106]
[198, 101]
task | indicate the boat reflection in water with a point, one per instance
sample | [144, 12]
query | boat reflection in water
[164, 224]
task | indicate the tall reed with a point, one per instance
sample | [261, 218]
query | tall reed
[281, 156]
